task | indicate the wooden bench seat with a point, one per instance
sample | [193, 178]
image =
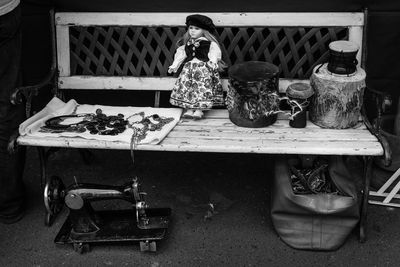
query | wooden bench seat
[216, 133]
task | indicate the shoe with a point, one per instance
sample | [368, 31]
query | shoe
[15, 215]
[198, 114]
[188, 114]
[10, 219]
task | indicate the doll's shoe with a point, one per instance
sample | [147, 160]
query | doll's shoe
[188, 114]
[198, 114]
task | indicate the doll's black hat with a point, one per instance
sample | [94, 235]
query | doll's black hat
[200, 21]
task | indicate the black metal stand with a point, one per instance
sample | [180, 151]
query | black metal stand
[364, 205]
[117, 226]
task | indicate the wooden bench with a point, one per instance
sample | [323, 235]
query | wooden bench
[132, 51]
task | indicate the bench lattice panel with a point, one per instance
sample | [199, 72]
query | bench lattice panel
[144, 51]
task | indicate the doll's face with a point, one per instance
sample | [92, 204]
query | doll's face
[195, 32]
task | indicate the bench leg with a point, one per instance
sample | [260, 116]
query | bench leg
[43, 166]
[364, 205]
[43, 159]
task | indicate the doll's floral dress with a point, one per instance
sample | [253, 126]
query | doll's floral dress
[198, 85]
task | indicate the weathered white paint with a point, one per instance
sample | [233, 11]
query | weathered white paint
[377, 194]
[221, 119]
[389, 182]
[138, 83]
[271, 134]
[190, 144]
[390, 199]
[63, 59]
[216, 133]
[116, 83]
[308, 19]
[381, 197]
[374, 202]
[392, 193]
[356, 36]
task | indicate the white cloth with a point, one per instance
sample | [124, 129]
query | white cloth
[56, 107]
[6, 6]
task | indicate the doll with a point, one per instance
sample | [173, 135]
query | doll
[197, 61]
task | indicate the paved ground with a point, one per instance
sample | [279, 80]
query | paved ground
[240, 234]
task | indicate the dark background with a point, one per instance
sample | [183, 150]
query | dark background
[383, 35]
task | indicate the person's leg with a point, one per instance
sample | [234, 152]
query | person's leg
[11, 165]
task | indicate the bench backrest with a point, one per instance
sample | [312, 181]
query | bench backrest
[132, 51]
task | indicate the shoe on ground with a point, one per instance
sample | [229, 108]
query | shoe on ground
[188, 114]
[198, 114]
[10, 219]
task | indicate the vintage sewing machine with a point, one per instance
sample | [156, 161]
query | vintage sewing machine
[85, 225]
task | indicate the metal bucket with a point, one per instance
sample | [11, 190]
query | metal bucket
[253, 94]
[342, 57]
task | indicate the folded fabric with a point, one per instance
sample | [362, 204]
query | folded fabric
[56, 107]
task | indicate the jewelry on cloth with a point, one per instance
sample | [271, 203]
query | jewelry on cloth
[98, 123]
[56, 122]
[147, 123]
[141, 127]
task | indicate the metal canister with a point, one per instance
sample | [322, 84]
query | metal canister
[342, 57]
[298, 98]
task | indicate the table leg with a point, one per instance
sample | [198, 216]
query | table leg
[364, 205]
[43, 166]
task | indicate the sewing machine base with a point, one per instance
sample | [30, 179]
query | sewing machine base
[118, 226]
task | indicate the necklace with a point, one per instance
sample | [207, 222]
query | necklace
[97, 123]
[142, 126]
[145, 124]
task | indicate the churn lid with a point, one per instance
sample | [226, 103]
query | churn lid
[250, 71]
[343, 46]
[299, 90]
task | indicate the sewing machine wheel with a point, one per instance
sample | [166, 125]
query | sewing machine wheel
[53, 198]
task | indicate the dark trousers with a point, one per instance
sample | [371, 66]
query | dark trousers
[11, 164]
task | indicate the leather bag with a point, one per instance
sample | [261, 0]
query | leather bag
[314, 221]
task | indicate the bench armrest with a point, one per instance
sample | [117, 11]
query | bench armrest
[382, 102]
[16, 95]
